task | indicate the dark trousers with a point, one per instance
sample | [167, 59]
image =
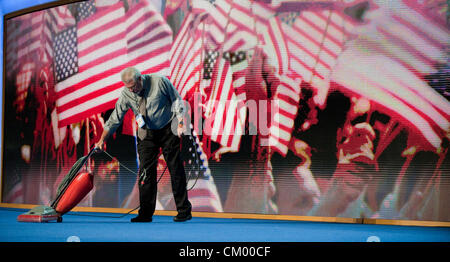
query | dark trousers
[148, 150]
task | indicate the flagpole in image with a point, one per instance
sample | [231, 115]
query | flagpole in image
[89, 197]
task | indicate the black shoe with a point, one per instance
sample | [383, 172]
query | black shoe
[141, 219]
[182, 218]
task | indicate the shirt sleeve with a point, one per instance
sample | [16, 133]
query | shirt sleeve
[116, 117]
[178, 105]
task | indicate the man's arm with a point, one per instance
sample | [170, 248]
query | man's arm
[177, 103]
[101, 142]
[114, 121]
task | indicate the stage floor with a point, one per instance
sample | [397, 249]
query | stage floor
[90, 227]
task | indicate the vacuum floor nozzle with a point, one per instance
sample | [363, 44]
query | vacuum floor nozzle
[40, 214]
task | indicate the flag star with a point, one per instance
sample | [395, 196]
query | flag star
[66, 61]
[85, 9]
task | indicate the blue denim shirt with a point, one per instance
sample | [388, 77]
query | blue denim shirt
[163, 103]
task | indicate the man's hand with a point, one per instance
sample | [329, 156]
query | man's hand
[218, 154]
[100, 145]
[181, 128]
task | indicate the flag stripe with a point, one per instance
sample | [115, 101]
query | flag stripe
[73, 102]
[185, 56]
[148, 38]
[76, 117]
[185, 66]
[90, 104]
[286, 99]
[425, 24]
[181, 41]
[31, 30]
[407, 47]
[191, 76]
[426, 35]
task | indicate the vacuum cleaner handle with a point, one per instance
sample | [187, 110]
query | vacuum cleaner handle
[88, 156]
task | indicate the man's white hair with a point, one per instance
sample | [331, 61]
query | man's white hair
[130, 73]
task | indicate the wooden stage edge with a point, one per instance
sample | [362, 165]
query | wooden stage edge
[255, 216]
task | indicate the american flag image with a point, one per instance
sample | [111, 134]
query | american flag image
[23, 83]
[85, 9]
[408, 35]
[185, 59]
[229, 24]
[60, 18]
[66, 59]
[201, 187]
[36, 32]
[287, 98]
[258, 25]
[214, 23]
[218, 101]
[107, 41]
[31, 45]
[209, 62]
[239, 64]
[315, 39]
[32, 36]
[224, 112]
[13, 33]
[224, 72]
[149, 39]
[287, 92]
[398, 86]
[233, 119]
[101, 5]
[100, 54]
[202, 192]
[239, 26]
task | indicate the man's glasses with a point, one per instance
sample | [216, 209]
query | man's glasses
[131, 81]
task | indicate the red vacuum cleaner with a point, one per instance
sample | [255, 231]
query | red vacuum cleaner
[72, 189]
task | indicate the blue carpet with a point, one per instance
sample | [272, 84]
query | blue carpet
[163, 229]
